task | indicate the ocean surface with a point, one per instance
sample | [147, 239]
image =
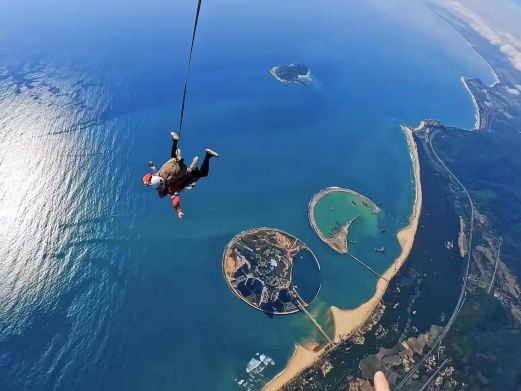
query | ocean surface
[101, 286]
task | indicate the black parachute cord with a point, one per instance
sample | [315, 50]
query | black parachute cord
[181, 116]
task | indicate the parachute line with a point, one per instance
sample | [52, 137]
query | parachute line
[199, 3]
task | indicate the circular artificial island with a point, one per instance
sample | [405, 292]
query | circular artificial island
[292, 74]
[332, 211]
[271, 270]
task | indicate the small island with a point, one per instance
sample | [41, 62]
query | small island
[262, 267]
[333, 210]
[292, 74]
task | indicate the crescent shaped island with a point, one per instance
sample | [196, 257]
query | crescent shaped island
[332, 211]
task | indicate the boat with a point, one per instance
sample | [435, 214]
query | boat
[380, 250]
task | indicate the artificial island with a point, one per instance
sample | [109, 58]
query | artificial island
[263, 267]
[332, 211]
[292, 74]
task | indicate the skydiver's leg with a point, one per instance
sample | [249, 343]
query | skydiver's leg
[175, 143]
[205, 167]
[201, 172]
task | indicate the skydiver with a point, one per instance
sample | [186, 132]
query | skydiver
[174, 176]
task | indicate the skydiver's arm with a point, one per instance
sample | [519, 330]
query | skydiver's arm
[152, 167]
[176, 203]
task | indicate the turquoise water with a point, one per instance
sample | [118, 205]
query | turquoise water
[340, 207]
[101, 287]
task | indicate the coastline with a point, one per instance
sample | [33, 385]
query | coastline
[346, 322]
[274, 74]
[301, 358]
[473, 47]
[306, 77]
[477, 115]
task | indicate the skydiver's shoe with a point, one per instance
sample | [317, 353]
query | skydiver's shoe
[211, 153]
[193, 164]
[174, 135]
[179, 155]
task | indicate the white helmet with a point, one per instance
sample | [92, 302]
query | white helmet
[156, 181]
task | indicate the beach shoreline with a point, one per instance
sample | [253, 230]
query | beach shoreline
[347, 322]
[302, 358]
[477, 115]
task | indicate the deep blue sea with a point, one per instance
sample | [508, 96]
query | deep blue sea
[101, 286]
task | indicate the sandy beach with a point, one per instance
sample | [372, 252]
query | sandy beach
[302, 358]
[477, 123]
[348, 321]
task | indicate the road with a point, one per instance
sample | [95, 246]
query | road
[495, 267]
[462, 295]
[425, 385]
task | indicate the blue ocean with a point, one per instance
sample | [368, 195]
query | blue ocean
[102, 287]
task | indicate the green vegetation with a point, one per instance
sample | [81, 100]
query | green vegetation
[484, 344]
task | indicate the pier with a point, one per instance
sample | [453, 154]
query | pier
[311, 318]
[367, 267]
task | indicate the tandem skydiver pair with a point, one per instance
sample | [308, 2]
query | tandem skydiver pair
[175, 176]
